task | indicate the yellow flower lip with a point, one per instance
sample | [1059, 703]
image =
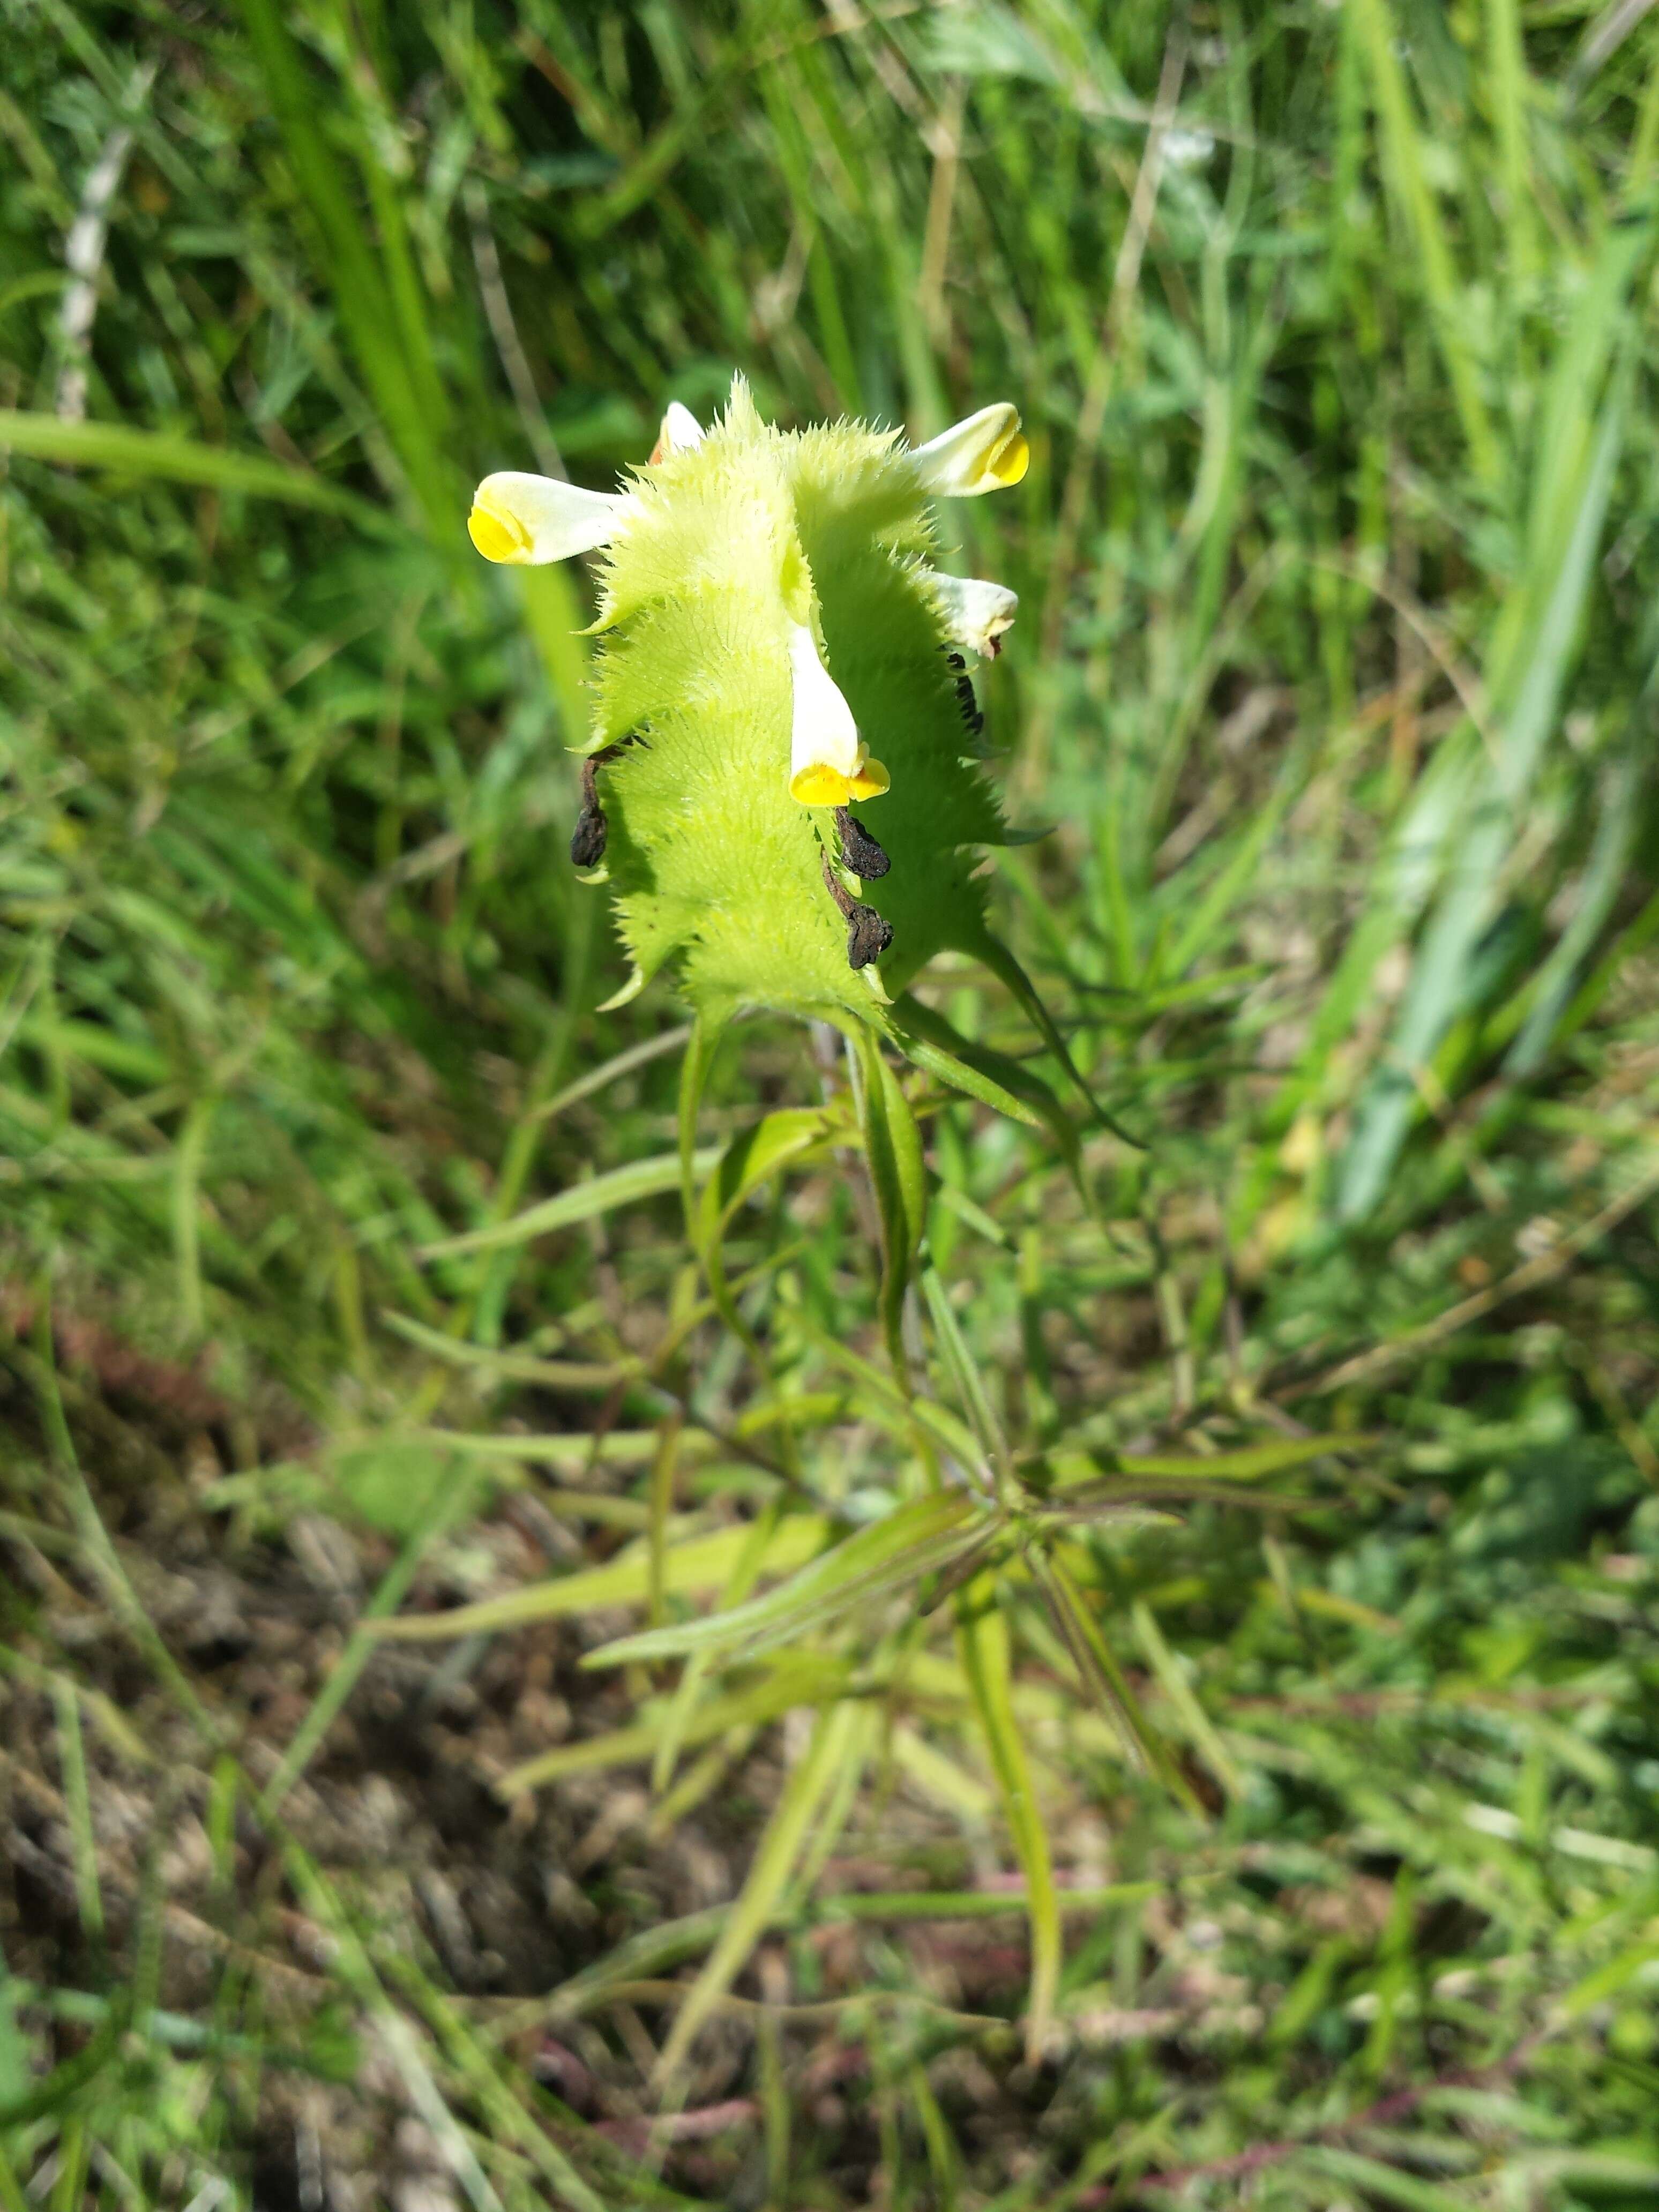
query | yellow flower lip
[829, 763]
[527, 520]
[1008, 464]
[497, 536]
[820, 785]
[986, 451]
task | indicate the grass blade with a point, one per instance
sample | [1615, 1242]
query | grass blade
[907, 1543]
[780, 1847]
[623, 1186]
[892, 1145]
[126, 450]
[982, 1642]
[705, 1563]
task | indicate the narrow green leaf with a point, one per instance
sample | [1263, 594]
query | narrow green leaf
[162, 453]
[982, 1642]
[1003, 965]
[1201, 1730]
[700, 1048]
[620, 1064]
[688, 1690]
[906, 1544]
[892, 1145]
[1097, 1663]
[624, 1186]
[1608, 1980]
[884, 1401]
[990, 1077]
[774, 1860]
[1445, 963]
[1248, 1462]
[355, 273]
[703, 1563]
[789, 1137]
[1447, 295]
[1372, 2178]
[970, 1384]
[792, 1682]
[959, 1075]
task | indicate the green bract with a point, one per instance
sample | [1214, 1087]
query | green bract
[781, 784]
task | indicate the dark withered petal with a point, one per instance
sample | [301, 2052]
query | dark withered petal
[969, 704]
[587, 838]
[862, 854]
[868, 936]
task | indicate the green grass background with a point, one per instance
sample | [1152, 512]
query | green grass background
[1333, 328]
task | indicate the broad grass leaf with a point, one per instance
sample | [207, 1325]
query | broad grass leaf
[1605, 873]
[1408, 172]
[378, 299]
[1534, 646]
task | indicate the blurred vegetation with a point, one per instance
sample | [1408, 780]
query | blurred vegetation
[1274, 1809]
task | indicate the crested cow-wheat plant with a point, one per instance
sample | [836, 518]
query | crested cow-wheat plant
[777, 650]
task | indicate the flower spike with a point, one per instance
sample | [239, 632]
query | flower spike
[527, 521]
[975, 613]
[771, 611]
[828, 762]
[681, 431]
[982, 453]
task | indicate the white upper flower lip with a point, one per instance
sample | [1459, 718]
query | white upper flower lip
[527, 521]
[983, 453]
[679, 433]
[828, 762]
[976, 613]
[822, 732]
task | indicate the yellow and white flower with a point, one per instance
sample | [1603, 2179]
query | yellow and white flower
[828, 762]
[527, 521]
[977, 614]
[983, 453]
